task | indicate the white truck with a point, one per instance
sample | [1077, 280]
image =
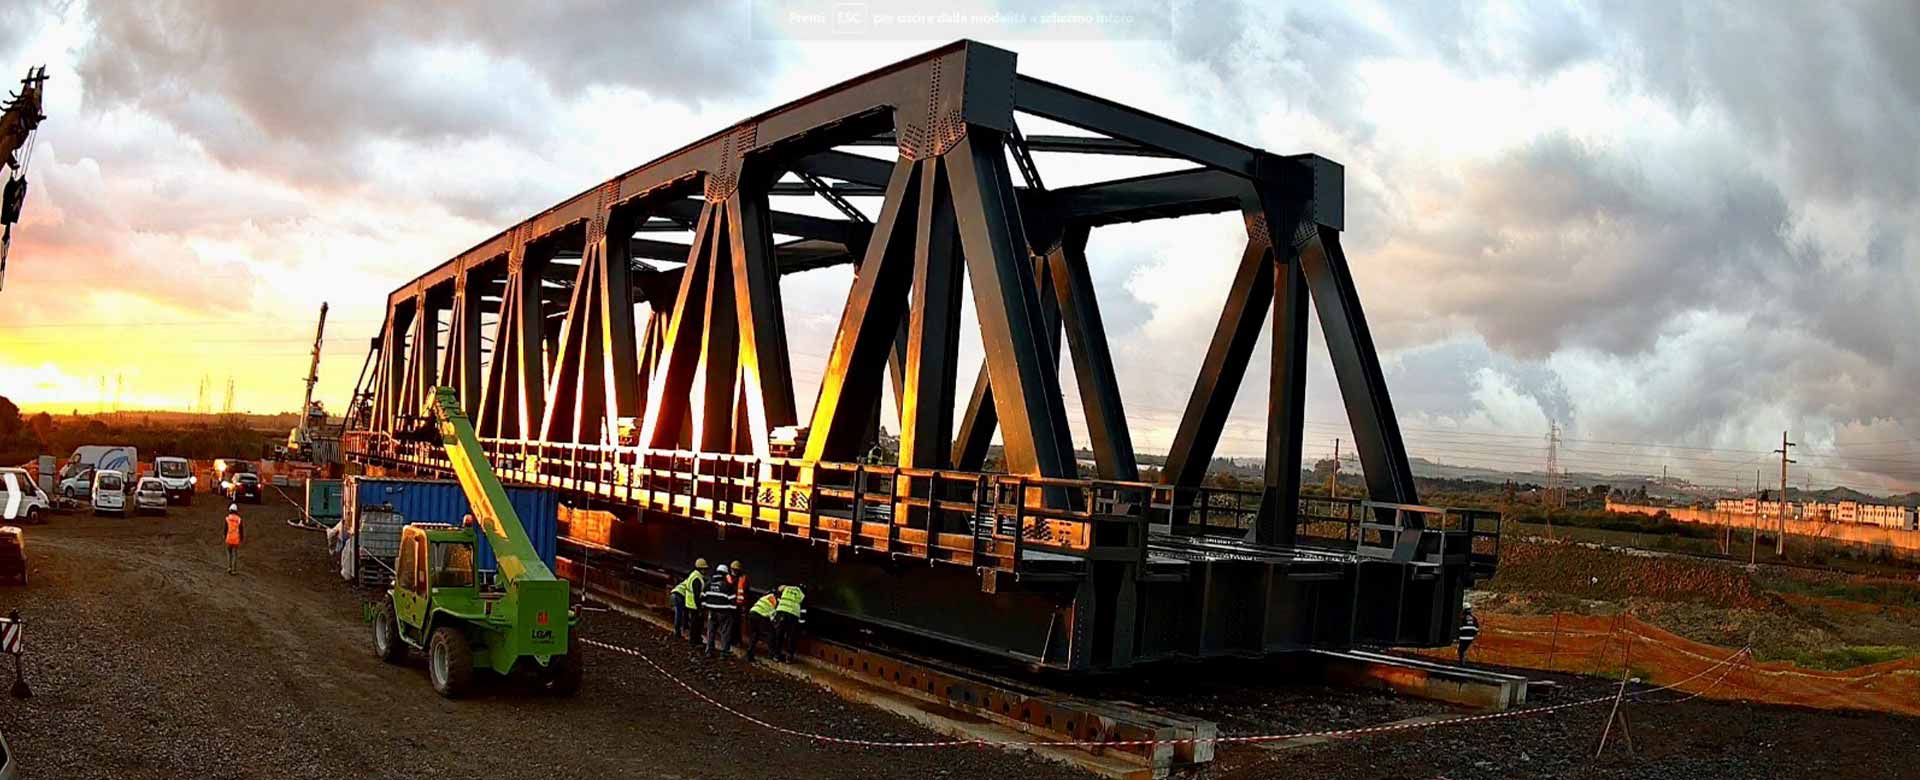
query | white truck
[21, 501]
[76, 477]
[176, 474]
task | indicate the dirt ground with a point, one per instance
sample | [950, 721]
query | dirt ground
[147, 660]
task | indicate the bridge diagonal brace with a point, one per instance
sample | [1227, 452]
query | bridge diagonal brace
[1363, 386]
[869, 326]
[679, 356]
[1027, 398]
[766, 371]
[1223, 369]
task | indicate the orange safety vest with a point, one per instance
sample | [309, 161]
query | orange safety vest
[233, 530]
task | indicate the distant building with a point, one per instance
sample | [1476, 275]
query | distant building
[1882, 515]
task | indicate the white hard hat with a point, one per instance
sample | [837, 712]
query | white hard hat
[233, 507]
[721, 569]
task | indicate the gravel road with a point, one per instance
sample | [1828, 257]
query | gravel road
[147, 660]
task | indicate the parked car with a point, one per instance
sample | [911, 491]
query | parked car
[77, 484]
[150, 494]
[177, 475]
[226, 469]
[109, 492]
[245, 487]
[34, 504]
[13, 554]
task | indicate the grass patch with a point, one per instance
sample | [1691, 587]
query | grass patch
[1892, 595]
[1845, 657]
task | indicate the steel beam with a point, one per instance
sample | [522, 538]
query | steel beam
[595, 377]
[667, 393]
[1223, 368]
[1154, 196]
[933, 342]
[462, 364]
[1363, 386]
[868, 326]
[1026, 390]
[717, 376]
[1086, 336]
[765, 374]
[1100, 115]
[846, 166]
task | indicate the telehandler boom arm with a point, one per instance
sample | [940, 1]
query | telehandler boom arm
[492, 513]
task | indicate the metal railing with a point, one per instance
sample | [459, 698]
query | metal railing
[999, 521]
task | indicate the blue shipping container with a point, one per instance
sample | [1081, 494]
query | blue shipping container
[442, 501]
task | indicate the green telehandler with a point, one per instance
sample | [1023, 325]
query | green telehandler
[524, 623]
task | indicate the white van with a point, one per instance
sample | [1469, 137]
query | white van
[177, 475]
[33, 505]
[76, 477]
[109, 492]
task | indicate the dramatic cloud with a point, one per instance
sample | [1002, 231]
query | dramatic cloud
[1685, 226]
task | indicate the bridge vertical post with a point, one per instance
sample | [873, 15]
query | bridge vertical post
[1278, 224]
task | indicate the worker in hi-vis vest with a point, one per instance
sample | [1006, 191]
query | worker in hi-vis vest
[760, 624]
[786, 622]
[721, 613]
[1469, 630]
[686, 602]
[234, 535]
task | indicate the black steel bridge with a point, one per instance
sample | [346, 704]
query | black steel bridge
[685, 423]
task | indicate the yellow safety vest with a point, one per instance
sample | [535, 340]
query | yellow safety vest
[764, 607]
[690, 589]
[790, 598]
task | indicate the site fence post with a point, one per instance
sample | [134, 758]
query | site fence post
[1553, 641]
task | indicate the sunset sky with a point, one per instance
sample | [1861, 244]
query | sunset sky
[1675, 229]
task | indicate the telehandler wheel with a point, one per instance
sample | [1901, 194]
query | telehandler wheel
[386, 635]
[564, 671]
[450, 662]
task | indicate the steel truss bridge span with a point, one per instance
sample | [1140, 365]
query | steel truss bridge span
[671, 421]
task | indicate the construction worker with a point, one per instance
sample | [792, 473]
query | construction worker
[786, 622]
[760, 625]
[686, 602]
[739, 577]
[1469, 630]
[740, 594]
[717, 603]
[234, 534]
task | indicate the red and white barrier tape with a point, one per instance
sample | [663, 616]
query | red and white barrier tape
[1217, 740]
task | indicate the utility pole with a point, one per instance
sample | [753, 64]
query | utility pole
[1780, 543]
[1753, 543]
[1333, 479]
